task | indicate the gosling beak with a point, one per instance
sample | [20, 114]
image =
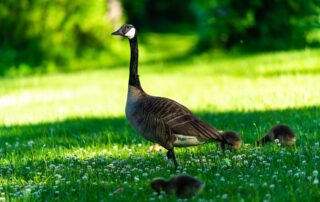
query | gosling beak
[237, 145]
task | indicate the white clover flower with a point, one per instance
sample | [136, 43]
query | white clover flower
[8, 144]
[224, 196]
[272, 186]
[315, 181]
[85, 177]
[30, 143]
[17, 144]
[315, 173]
[136, 178]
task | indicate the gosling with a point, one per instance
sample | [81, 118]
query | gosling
[283, 133]
[231, 140]
[182, 186]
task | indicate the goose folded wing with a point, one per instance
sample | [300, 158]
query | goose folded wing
[191, 125]
[179, 119]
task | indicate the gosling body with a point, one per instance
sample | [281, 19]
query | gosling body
[281, 132]
[182, 186]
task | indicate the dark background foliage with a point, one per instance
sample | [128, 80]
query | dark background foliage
[253, 24]
[44, 33]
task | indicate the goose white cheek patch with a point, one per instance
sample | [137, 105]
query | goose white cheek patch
[131, 33]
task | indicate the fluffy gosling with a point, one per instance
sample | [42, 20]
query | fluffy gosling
[283, 133]
[182, 186]
[231, 140]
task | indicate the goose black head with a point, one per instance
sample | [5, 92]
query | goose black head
[126, 30]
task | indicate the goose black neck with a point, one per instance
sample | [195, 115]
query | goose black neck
[134, 77]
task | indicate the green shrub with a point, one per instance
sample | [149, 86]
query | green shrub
[255, 24]
[43, 32]
[160, 16]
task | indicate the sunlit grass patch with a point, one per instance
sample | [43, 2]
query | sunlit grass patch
[64, 137]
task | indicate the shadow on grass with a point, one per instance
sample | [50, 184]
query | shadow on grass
[90, 179]
[84, 132]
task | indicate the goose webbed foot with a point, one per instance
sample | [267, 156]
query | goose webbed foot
[172, 156]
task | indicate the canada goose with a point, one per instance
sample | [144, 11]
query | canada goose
[231, 139]
[157, 119]
[282, 132]
[183, 186]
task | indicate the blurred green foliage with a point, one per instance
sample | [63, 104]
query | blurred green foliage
[160, 16]
[50, 33]
[44, 35]
[256, 24]
[250, 24]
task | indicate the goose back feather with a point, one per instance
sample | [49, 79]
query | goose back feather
[165, 121]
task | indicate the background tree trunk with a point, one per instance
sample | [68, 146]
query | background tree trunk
[114, 12]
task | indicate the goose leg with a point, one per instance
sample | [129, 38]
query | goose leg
[172, 156]
[223, 146]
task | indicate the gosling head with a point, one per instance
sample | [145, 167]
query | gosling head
[185, 186]
[182, 186]
[232, 140]
[126, 30]
[281, 133]
[159, 184]
[284, 134]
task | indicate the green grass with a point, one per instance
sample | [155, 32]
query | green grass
[64, 137]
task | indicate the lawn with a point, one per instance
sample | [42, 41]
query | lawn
[64, 136]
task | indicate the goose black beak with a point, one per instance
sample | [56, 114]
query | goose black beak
[118, 32]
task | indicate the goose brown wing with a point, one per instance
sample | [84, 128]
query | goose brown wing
[178, 118]
[191, 125]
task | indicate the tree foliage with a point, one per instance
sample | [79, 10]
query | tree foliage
[160, 16]
[35, 32]
[44, 32]
[258, 24]
[253, 24]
